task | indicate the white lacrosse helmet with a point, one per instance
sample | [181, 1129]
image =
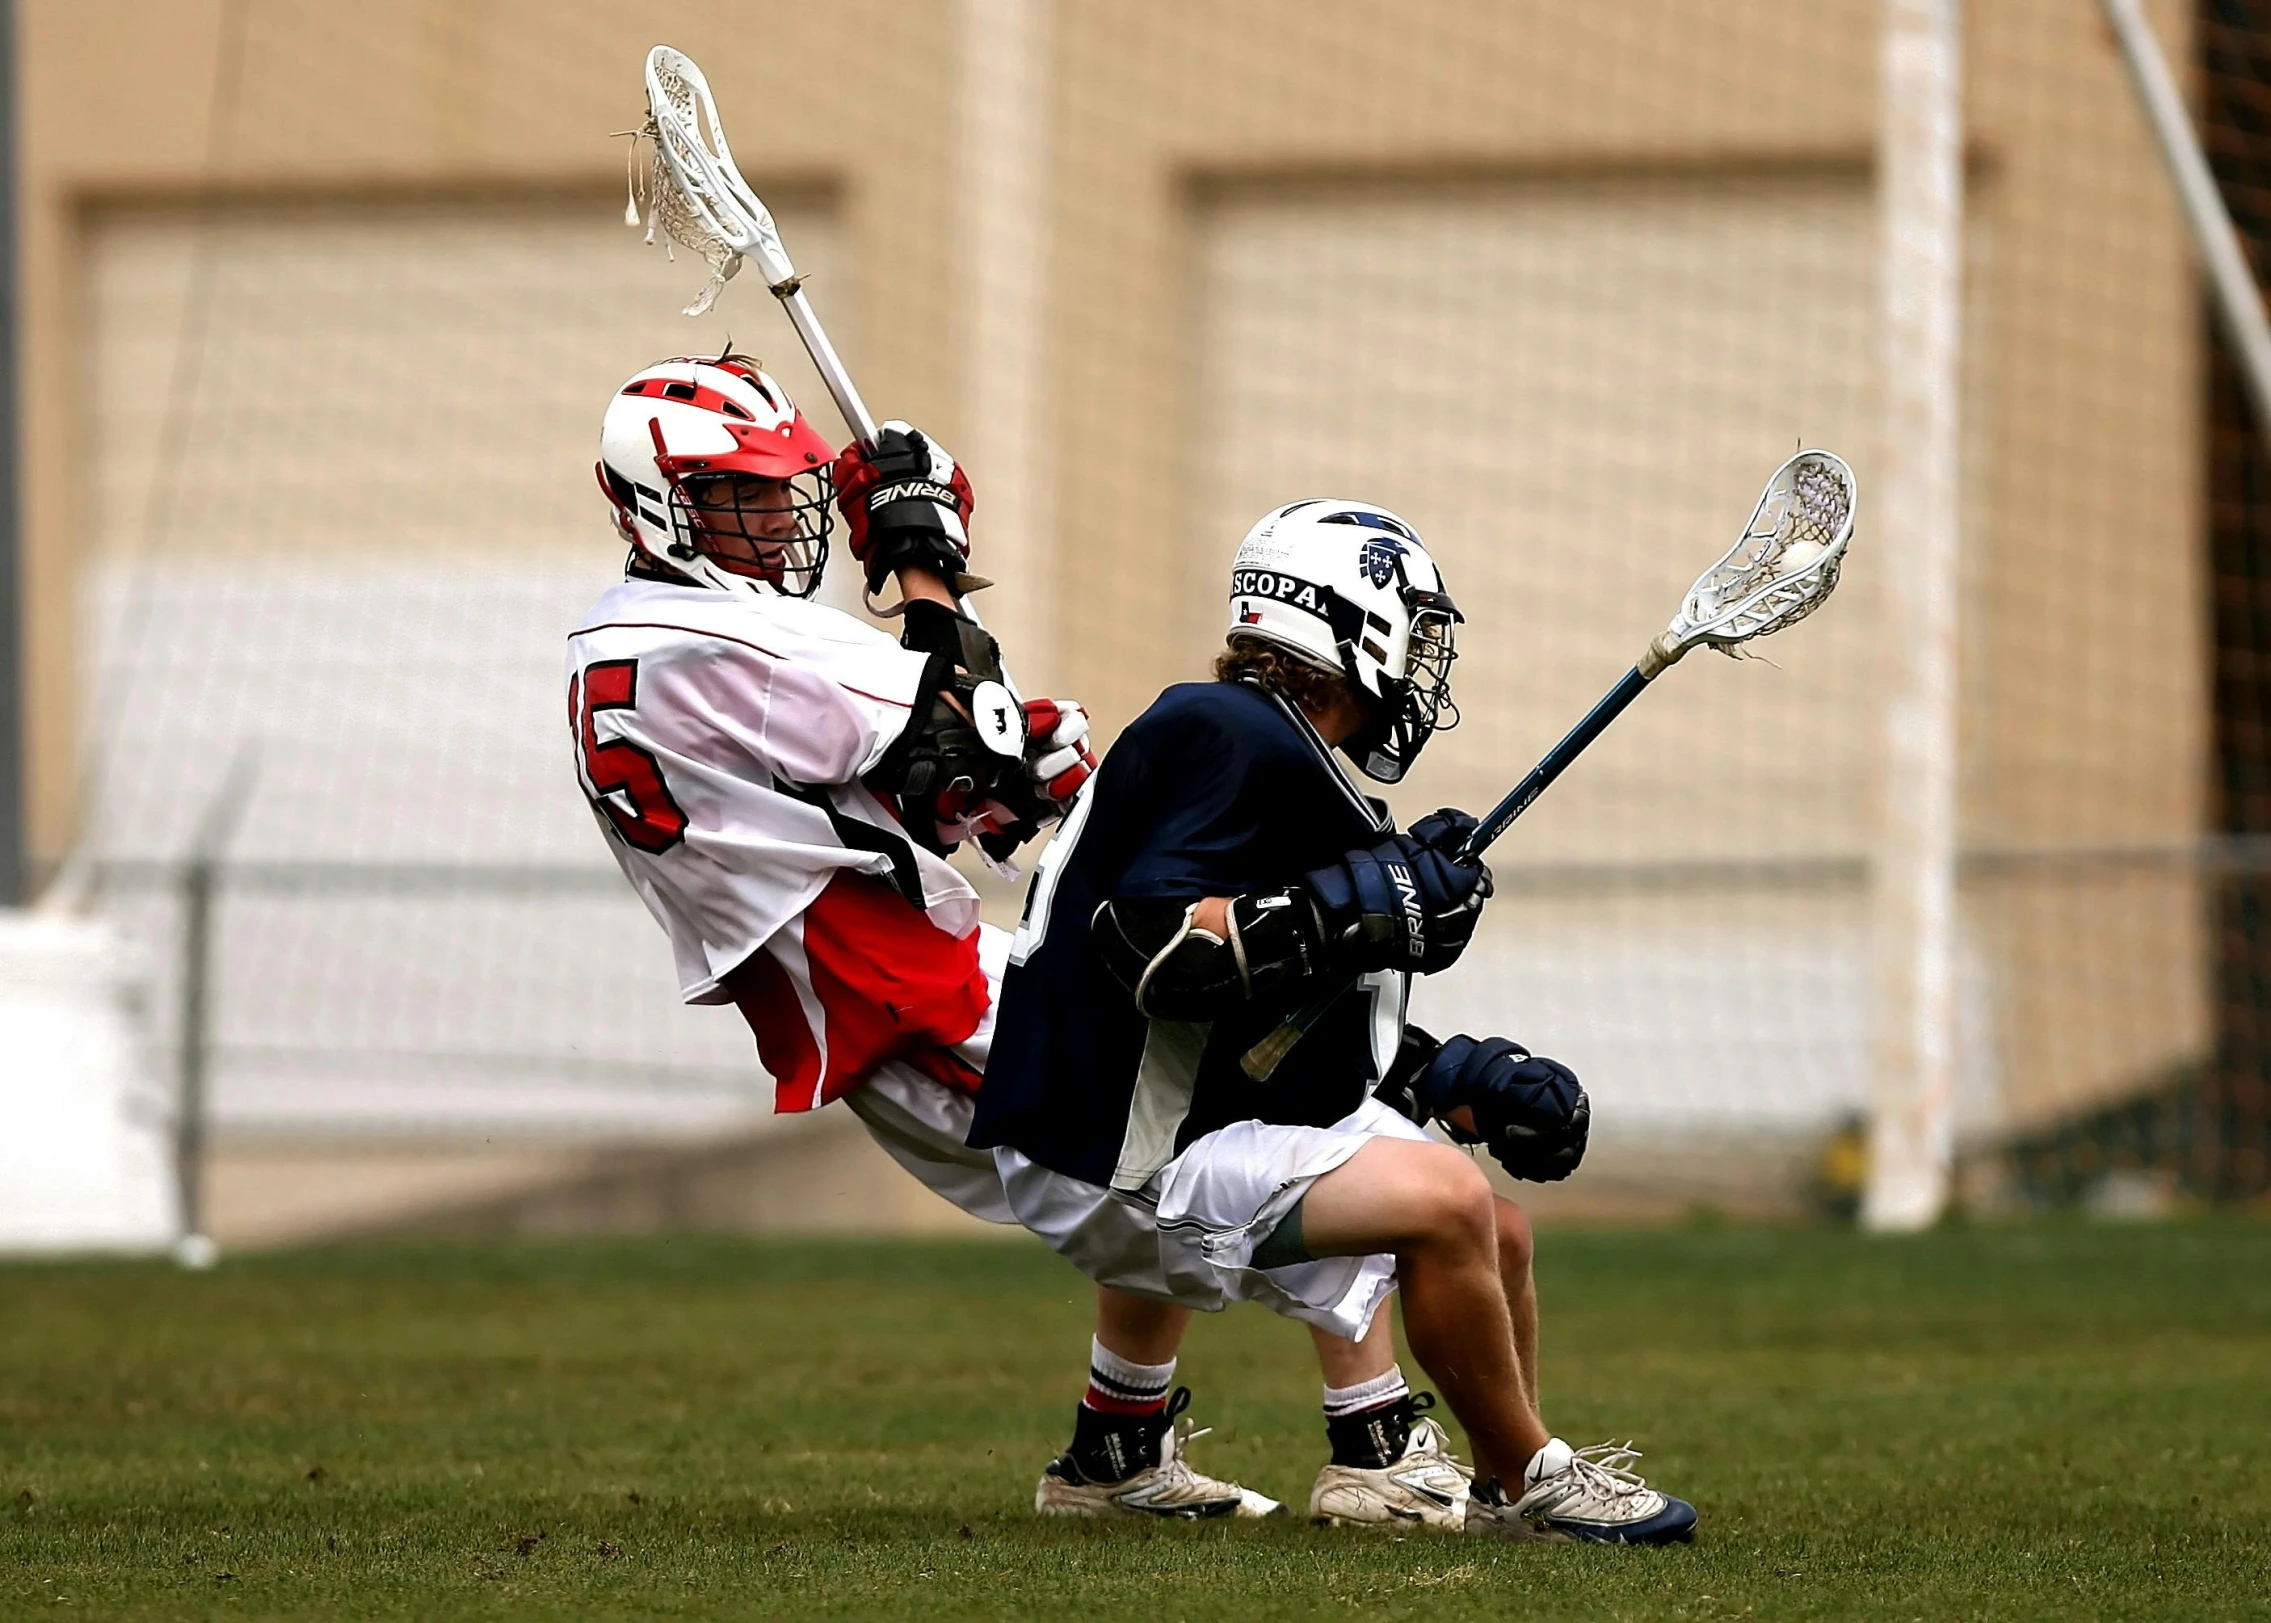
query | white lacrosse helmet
[1350, 588]
[678, 449]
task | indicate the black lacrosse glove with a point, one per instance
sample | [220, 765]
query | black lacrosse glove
[1530, 1113]
[1401, 904]
[906, 506]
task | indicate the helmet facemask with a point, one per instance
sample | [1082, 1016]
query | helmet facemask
[733, 524]
[716, 477]
[1405, 711]
[1349, 587]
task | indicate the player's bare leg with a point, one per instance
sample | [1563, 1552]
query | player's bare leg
[1432, 1207]
[1391, 1466]
[1127, 1451]
[1139, 1329]
[1516, 1248]
[1346, 1363]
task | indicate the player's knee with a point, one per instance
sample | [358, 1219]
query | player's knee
[1460, 1202]
[1516, 1245]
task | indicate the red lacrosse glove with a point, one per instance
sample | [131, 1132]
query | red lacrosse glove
[1057, 756]
[905, 505]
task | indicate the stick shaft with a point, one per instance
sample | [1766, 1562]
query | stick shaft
[856, 416]
[829, 365]
[1556, 762]
[1260, 1060]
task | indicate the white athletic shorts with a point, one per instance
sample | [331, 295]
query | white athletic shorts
[1188, 1235]
[923, 1125]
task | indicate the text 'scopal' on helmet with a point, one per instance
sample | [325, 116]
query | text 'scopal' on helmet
[1351, 588]
[680, 421]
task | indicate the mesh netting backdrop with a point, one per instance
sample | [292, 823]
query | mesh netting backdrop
[1560, 284]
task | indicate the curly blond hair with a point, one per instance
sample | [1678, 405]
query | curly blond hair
[1249, 659]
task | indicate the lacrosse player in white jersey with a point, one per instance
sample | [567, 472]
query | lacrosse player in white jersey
[1222, 872]
[780, 783]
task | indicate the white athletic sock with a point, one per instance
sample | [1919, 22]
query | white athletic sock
[1373, 1394]
[1119, 1385]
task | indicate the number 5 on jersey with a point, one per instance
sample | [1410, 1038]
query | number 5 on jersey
[624, 781]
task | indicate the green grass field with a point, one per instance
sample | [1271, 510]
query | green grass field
[2050, 1421]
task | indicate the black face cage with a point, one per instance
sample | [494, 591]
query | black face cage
[1416, 707]
[1432, 647]
[728, 536]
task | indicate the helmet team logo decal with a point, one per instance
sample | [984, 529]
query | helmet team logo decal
[1378, 559]
[1290, 590]
[1350, 587]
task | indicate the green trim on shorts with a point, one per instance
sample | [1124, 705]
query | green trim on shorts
[1283, 1248]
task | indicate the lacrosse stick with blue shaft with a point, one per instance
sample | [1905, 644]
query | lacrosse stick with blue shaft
[1782, 568]
[696, 197]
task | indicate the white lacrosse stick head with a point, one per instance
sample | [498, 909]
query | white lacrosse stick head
[695, 195]
[1783, 566]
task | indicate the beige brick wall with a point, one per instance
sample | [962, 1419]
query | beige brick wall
[2085, 711]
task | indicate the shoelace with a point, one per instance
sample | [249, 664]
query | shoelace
[1180, 1433]
[1602, 1469]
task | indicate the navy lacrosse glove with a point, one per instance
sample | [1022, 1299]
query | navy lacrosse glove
[1530, 1113]
[1445, 830]
[1401, 904]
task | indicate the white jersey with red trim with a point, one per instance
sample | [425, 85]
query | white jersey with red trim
[720, 740]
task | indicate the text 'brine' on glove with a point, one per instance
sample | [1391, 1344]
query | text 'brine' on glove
[906, 506]
[1402, 904]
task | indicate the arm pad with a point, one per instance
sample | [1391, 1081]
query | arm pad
[933, 628]
[1178, 971]
[939, 766]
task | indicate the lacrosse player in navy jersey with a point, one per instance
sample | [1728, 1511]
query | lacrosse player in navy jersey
[1221, 871]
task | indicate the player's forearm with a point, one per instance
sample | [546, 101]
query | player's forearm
[928, 586]
[1205, 959]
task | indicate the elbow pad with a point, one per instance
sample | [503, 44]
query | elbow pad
[1400, 1090]
[1178, 971]
[942, 765]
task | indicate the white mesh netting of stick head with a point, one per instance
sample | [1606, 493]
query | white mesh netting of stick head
[1783, 566]
[695, 196]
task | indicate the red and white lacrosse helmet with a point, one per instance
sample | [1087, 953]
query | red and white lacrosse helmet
[681, 449]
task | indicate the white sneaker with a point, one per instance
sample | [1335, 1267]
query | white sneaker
[1423, 1487]
[1170, 1489]
[1586, 1495]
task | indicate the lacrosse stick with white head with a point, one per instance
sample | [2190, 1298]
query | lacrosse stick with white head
[1781, 568]
[696, 198]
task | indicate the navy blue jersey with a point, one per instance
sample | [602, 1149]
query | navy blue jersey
[1217, 790]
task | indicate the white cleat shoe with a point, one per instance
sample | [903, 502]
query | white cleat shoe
[1423, 1487]
[1585, 1495]
[1169, 1489]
